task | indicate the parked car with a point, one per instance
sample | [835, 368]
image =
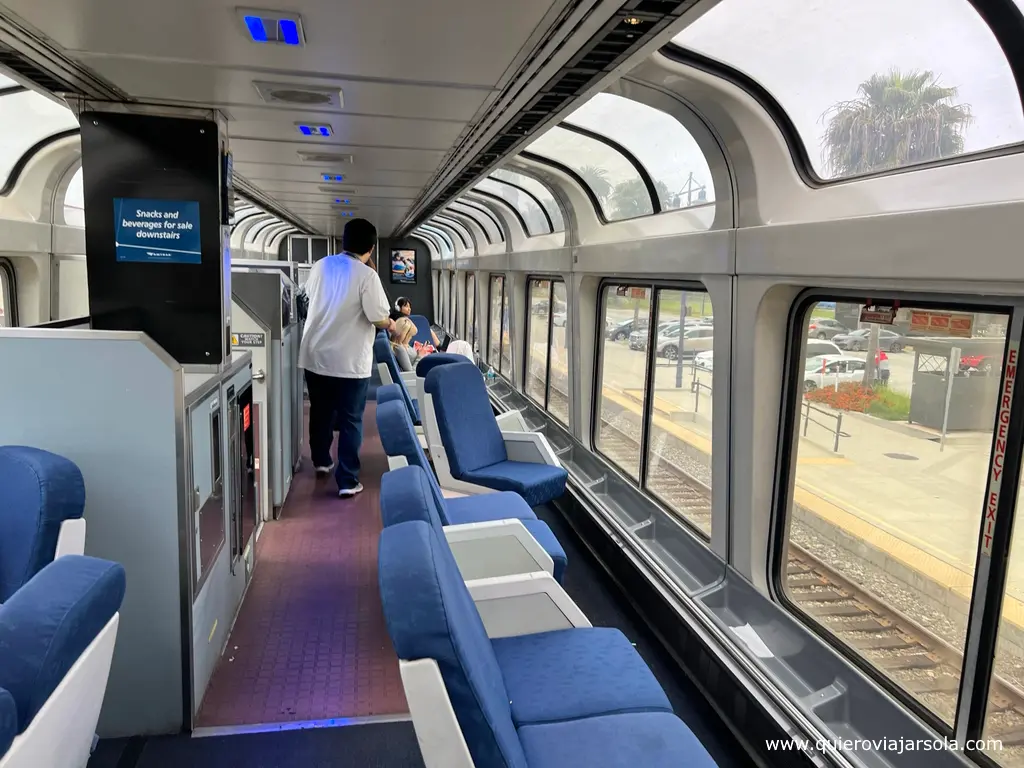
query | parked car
[857, 341]
[825, 328]
[621, 331]
[558, 319]
[825, 370]
[817, 348]
[638, 339]
[694, 340]
[705, 360]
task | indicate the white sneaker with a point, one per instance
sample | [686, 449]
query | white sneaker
[324, 470]
[345, 493]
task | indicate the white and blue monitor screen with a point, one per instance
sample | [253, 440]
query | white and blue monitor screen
[157, 231]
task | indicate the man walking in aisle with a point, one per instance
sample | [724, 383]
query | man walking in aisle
[347, 305]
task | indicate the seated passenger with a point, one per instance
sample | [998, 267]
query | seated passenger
[403, 308]
[406, 356]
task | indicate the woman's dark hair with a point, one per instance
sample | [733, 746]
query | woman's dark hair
[402, 302]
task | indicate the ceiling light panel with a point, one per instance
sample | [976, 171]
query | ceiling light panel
[272, 27]
[322, 130]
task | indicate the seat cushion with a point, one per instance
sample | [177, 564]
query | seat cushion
[8, 720]
[641, 740]
[536, 483]
[546, 538]
[572, 673]
[485, 507]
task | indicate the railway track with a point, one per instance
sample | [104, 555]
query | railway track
[911, 656]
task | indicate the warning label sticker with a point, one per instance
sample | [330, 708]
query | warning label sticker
[999, 455]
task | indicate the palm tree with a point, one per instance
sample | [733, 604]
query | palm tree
[597, 179]
[898, 118]
[631, 198]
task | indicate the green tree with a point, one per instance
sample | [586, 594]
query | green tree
[597, 179]
[897, 119]
[631, 198]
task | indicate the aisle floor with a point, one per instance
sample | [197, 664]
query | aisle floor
[310, 641]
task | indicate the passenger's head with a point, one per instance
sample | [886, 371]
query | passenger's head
[359, 238]
[404, 306]
[405, 329]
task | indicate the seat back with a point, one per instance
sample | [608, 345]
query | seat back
[47, 625]
[398, 437]
[385, 357]
[422, 329]
[405, 494]
[465, 421]
[431, 615]
[423, 367]
[39, 490]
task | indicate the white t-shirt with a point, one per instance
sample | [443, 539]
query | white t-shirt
[345, 299]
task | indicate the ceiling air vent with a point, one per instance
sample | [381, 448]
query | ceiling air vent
[337, 190]
[328, 158]
[16, 62]
[304, 95]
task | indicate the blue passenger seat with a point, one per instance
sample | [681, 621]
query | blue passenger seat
[39, 492]
[473, 442]
[383, 355]
[398, 439]
[57, 635]
[422, 329]
[558, 699]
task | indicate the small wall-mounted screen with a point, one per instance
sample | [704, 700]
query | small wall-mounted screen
[157, 231]
[403, 266]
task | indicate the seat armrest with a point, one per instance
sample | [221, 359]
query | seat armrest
[496, 548]
[524, 605]
[511, 422]
[530, 447]
[397, 462]
[385, 374]
[409, 378]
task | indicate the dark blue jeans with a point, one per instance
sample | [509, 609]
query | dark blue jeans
[336, 404]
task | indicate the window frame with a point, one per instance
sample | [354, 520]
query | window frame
[785, 483]
[456, 226]
[595, 203]
[479, 207]
[650, 369]
[460, 216]
[9, 292]
[500, 203]
[443, 236]
[472, 214]
[453, 297]
[524, 173]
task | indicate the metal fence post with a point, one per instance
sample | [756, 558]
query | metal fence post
[839, 428]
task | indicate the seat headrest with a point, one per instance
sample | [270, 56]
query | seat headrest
[405, 494]
[389, 392]
[432, 361]
[39, 490]
[47, 624]
[431, 615]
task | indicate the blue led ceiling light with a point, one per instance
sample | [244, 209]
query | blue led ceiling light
[275, 27]
[339, 200]
[332, 177]
[314, 129]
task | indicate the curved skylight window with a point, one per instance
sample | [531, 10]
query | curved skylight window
[660, 143]
[448, 246]
[459, 227]
[453, 235]
[260, 228]
[482, 216]
[74, 201]
[874, 85]
[466, 215]
[613, 180]
[538, 190]
[529, 209]
[26, 118]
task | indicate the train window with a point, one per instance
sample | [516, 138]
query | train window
[452, 309]
[622, 377]
[558, 368]
[74, 201]
[539, 191]
[494, 326]
[612, 179]
[529, 208]
[678, 469]
[459, 228]
[538, 325]
[506, 333]
[471, 309]
[27, 118]
[892, 434]
[436, 278]
[659, 142]
[945, 64]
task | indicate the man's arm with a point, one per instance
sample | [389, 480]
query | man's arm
[375, 303]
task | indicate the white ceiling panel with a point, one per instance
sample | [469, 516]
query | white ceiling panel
[309, 173]
[446, 41]
[172, 81]
[286, 152]
[280, 125]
